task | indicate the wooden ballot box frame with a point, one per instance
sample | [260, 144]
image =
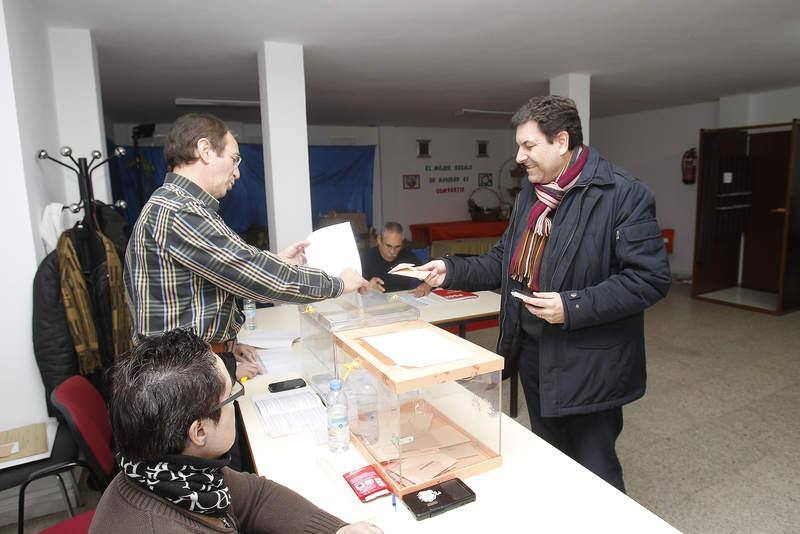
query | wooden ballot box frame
[399, 382]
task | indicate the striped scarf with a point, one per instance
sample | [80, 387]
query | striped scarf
[78, 304]
[526, 261]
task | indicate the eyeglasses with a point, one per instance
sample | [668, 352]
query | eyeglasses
[237, 390]
[237, 159]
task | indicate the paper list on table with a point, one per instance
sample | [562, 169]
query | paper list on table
[291, 412]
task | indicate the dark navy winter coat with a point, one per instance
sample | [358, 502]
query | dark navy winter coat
[606, 258]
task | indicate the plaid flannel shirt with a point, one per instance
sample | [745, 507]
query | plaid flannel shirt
[184, 267]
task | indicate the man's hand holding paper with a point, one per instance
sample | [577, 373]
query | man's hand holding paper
[408, 269]
[333, 249]
[295, 253]
[435, 271]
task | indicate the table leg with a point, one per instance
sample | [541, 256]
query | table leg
[462, 329]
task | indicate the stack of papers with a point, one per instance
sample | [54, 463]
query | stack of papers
[291, 412]
[268, 339]
[436, 447]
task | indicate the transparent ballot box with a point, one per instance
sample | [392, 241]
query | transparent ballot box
[320, 320]
[424, 403]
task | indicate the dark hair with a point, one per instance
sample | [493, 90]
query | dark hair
[164, 385]
[553, 114]
[393, 228]
[187, 131]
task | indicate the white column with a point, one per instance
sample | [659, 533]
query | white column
[79, 108]
[21, 390]
[578, 88]
[282, 90]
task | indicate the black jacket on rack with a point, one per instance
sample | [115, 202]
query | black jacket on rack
[52, 341]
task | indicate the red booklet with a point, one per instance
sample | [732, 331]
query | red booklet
[367, 483]
[455, 294]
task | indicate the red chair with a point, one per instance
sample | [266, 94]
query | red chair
[86, 415]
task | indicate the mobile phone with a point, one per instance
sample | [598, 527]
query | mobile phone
[286, 385]
[519, 295]
[439, 498]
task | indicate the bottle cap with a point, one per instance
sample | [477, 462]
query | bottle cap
[336, 384]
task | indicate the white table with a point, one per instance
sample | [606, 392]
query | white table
[444, 314]
[462, 312]
[537, 489]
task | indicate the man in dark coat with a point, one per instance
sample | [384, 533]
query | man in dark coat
[580, 261]
[378, 261]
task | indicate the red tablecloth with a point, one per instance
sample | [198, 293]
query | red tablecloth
[456, 230]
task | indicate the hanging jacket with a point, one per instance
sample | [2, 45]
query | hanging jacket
[52, 342]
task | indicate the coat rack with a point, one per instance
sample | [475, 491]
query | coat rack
[84, 169]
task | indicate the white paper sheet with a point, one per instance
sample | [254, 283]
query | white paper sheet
[333, 249]
[272, 339]
[291, 412]
[417, 348]
[279, 361]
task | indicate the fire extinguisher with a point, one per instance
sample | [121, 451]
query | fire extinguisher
[689, 166]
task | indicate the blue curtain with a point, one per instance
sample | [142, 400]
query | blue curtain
[246, 203]
[341, 180]
[122, 172]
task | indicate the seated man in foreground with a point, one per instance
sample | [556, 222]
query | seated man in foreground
[172, 420]
[377, 262]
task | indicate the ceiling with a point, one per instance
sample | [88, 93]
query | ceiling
[418, 62]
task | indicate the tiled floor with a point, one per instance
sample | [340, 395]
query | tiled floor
[745, 297]
[714, 446]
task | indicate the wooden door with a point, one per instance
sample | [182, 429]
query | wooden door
[722, 209]
[789, 294]
[768, 161]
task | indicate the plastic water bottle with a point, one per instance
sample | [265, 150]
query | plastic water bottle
[249, 314]
[338, 424]
[367, 409]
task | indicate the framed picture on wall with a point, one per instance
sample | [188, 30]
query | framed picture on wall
[411, 181]
[485, 179]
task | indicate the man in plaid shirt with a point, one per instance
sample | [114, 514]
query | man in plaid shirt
[185, 268]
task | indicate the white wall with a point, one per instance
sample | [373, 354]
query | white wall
[767, 107]
[449, 146]
[650, 146]
[79, 108]
[26, 124]
[35, 108]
